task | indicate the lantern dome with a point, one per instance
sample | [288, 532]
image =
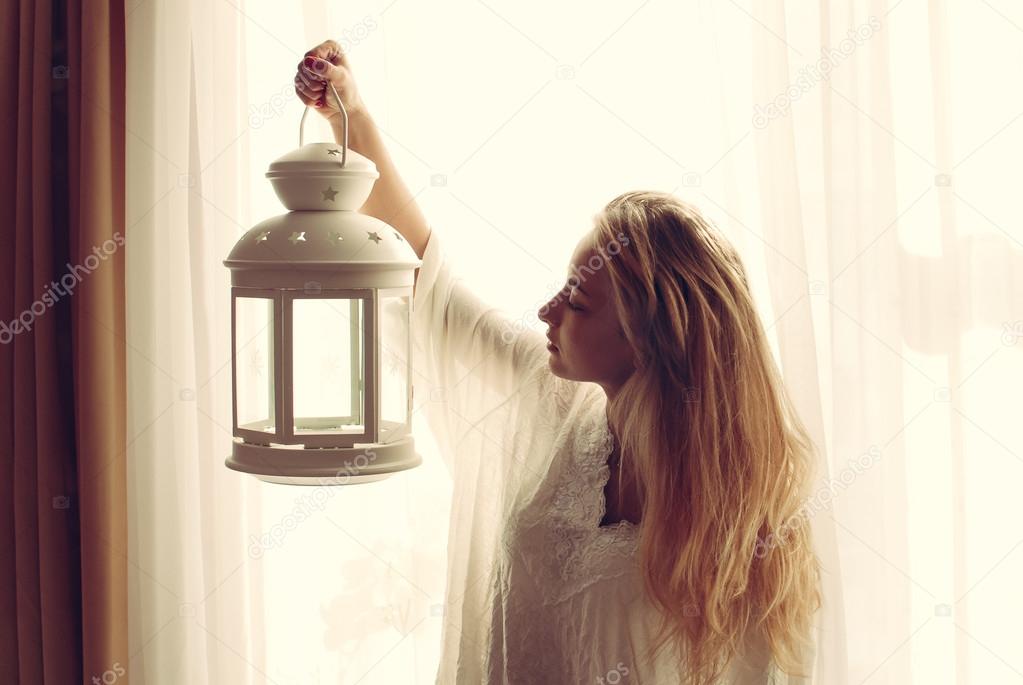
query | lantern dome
[339, 248]
[321, 176]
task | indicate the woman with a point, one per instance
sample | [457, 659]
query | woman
[627, 490]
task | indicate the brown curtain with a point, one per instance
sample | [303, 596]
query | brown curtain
[63, 532]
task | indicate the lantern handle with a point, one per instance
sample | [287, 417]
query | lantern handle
[344, 125]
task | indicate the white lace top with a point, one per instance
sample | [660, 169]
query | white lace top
[537, 591]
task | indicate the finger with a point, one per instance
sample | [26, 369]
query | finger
[306, 70]
[309, 82]
[328, 50]
[337, 55]
[304, 97]
[310, 101]
[331, 51]
[315, 69]
[315, 80]
[321, 50]
[305, 92]
[320, 69]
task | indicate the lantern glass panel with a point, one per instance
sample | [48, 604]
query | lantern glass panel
[394, 365]
[327, 366]
[254, 363]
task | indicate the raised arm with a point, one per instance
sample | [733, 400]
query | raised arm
[390, 200]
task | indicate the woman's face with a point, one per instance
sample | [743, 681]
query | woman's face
[588, 341]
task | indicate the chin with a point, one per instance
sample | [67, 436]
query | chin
[554, 364]
[559, 370]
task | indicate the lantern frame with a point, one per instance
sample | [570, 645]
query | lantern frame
[367, 391]
[290, 454]
[242, 431]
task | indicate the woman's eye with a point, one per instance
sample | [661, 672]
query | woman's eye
[567, 291]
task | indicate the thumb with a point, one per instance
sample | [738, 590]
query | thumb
[331, 51]
[321, 68]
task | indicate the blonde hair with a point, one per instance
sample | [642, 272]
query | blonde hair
[718, 454]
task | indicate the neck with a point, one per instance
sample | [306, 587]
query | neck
[611, 393]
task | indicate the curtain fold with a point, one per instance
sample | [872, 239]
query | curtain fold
[40, 641]
[62, 383]
[788, 264]
[195, 590]
[96, 145]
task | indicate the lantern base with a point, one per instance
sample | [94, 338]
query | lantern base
[309, 480]
[295, 465]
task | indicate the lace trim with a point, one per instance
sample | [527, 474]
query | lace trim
[604, 475]
[584, 551]
[567, 549]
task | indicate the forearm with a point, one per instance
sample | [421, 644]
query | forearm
[390, 200]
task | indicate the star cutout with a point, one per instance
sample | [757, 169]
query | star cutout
[297, 237]
[329, 193]
[335, 237]
[333, 152]
[373, 236]
[263, 237]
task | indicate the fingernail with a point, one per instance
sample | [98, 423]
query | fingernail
[310, 62]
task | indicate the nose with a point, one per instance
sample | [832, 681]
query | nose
[550, 312]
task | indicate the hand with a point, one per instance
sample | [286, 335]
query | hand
[326, 63]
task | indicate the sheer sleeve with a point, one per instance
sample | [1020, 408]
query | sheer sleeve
[477, 370]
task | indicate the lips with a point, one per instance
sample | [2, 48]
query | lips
[550, 344]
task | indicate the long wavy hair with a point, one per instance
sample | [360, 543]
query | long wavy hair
[714, 445]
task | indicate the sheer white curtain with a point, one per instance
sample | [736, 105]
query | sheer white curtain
[235, 581]
[860, 155]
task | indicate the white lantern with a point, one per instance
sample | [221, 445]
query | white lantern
[321, 304]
